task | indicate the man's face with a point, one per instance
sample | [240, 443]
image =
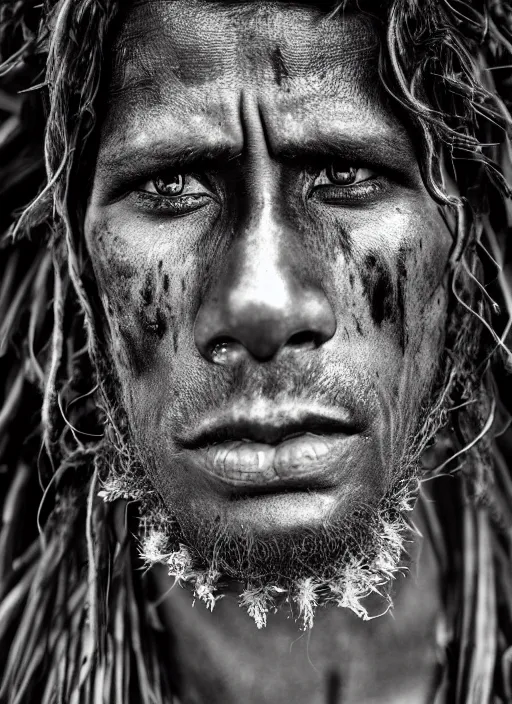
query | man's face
[271, 266]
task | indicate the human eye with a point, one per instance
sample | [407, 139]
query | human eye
[345, 183]
[172, 193]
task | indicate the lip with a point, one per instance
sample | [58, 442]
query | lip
[271, 448]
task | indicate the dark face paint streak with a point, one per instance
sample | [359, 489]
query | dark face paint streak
[400, 297]
[157, 325]
[278, 66]
[378, 287]
[147, 292]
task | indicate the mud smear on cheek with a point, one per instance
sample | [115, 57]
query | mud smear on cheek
[171, 323]
[147, 292]
[278, 66]
[136, 310]
[140, 324]
[125, 343]
[378, 288]
[117, 276]
[386, 302]
[151, 316]
[157, 315]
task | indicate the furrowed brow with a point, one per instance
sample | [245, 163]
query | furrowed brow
[127, 161]
[391, 151]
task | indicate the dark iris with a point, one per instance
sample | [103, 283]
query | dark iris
[171, 185]
[342, 174]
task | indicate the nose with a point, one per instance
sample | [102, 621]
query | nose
[263, 299]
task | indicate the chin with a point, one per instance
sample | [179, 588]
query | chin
[273, 485]
[286, 501]
[331, 545]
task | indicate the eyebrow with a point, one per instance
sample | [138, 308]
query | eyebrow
[163, 155]
[391, 151]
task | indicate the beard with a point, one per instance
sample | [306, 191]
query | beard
[344, 562]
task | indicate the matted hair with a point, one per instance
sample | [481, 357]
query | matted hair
[76, 620]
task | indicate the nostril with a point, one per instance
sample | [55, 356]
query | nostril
[305, 338]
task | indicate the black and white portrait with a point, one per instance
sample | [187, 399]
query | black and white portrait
[255, 334]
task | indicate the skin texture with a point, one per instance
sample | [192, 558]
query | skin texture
[265, 288]
[324, 295]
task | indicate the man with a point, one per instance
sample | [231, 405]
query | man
[276, 234]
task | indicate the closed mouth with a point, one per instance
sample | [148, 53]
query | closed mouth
[268, 432]
[270, 446]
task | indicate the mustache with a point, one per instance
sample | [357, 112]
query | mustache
[314, 381]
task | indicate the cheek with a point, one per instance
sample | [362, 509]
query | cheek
[422, 277]
[143, 296]
[401, 264]
[388, 282]
[407, 296]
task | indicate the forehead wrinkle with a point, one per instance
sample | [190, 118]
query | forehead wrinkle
[165, 125]
[154, 40]
[157, 95]
[186, 117]
[312, 49]
[167, 40]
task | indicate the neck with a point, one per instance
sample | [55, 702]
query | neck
[222, 656]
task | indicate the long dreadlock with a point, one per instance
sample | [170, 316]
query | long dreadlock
[76, 622]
